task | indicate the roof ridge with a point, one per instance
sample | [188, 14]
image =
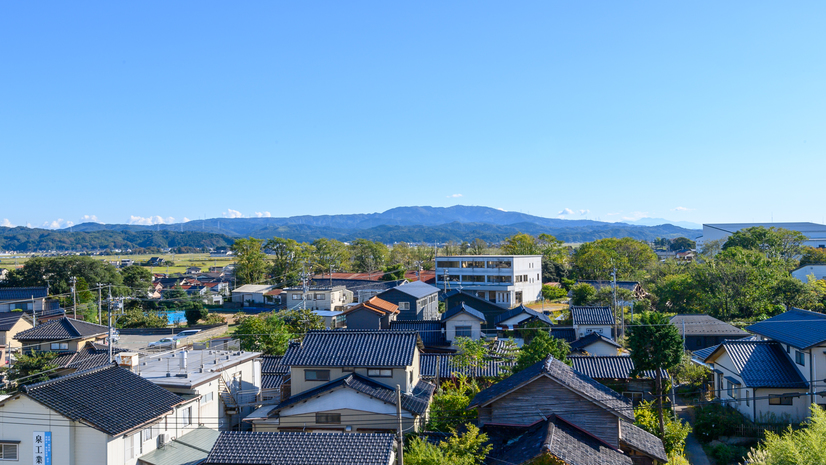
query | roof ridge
[28, 387]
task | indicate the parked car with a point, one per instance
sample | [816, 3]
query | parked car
[186, 334]
[165, 343]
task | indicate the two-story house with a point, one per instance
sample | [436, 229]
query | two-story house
[345, 381]
[102, 416]
[487, 308]
[61, 335]
[506, 280]
[374, 313]
[592, 320]
[28, 299]
[550, 409]
[417, 300]
[324, 298]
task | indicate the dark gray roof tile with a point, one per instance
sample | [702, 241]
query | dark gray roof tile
[640, 440]
[609, 367]
[62, 329]
[354, 348]
[592, 315]
[22, 293]
[592, 338]
[462, 308]
[534, 315]
[448, 368]
[762, 364]
[796, 327]
[705, 325]
[430, 331]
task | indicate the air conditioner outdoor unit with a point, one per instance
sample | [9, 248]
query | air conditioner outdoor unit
[164, 439]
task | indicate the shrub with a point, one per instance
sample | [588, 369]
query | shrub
[645, 416]
[552, 292]
[195, 313]
[449, 407]
[582, 294]
[714, 420]
[213, 319]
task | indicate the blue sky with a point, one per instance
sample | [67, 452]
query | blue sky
[166, 111]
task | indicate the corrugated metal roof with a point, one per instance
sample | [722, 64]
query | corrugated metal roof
[796, 327]
[761, 364]
[417, 289]
[22, 293]
[592, 316]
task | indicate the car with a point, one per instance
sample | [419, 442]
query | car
[186, 334]
[164, 343]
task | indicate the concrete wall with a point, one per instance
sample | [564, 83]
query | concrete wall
[463, 319]
[583, 330]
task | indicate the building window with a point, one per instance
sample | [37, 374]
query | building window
[780, 401]
[316, 375]
[404, 305]
[8, 452]
[60, 346]
[635, 397]
[328, 418]
[800, 358]
[296, 296]
[379, 373]
[788, 349]
[207, 398]
[129, 446]
[186, 416]
[348, 369]
[320, 297]
[464, 331]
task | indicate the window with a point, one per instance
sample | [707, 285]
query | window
[186, 416]
[780, 401]
[348, 369]
[380, 373]
[320, 297]
[296, 296]
[328, 418]
[129, 446]
[800, 358]
[788, 349]
[464, 331]
[146, 434]
[448, 264]
[316, 375]
[60, 346]
[207, 398]
[8, 452]
[22, 306]
[404, 305]
[635, 397]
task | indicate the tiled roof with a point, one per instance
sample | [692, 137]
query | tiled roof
[460, 309]
[640, 440]
[416, 402]
[520, 310]
[271, 364]
[448, 368]
[796, 327]
[566, 333]
[430, 331]
[609, 367]
[566, 376]
[269, 381]
[62, 329]
[91, 355]
[592, 338]
[761, 364]
[8, 320]
[22, 293]
[264, 448]
[377, 305]
[417, 289]
[555, 436]
[111, 399]
[592, 316]
[705, 325]
[703, 354]
[348, 348]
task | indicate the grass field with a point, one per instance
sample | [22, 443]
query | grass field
[181, 261]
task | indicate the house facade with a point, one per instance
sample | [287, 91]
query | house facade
[375, 313]
[592, 320]
[416, 300]
[251, 295]
[506, 280]
[463, 321]
[317, 297]
[61, 335]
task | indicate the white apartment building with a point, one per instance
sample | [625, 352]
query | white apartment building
[506, 280]
[317, 297]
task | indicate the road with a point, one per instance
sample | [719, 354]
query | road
[693, 449]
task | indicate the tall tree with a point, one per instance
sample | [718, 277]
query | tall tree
[682, 243]
[329, 253]
[595, 260]
[477, 247]
[137, 278]
[773, 242]
[288, 258]
[400, 254]
[250, 261]
[812, 256]
[56, 272]
[520, 244]
[655, 344]
[368, 255]
[539, 348]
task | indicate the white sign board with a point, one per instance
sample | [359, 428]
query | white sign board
[42, 448]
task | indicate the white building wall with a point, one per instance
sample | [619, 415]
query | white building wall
[803, 273]
[525, 277]
[584, 330]
[463, 320]
[601, 348]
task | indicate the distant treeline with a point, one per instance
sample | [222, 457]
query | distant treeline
[22, 239]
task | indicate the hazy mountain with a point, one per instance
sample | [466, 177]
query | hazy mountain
[659, 221]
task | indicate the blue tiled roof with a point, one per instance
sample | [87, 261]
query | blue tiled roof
[354, 348]
[430, 331]
[762, 364]
[100, 398]
[566, 376]
[61, 329]
[22, 293]
[566, 333]
[8, 320]
[462, 308]
[592, 316]
[448, 368]
[264, 448]
[520, 310]
[796, 327]
[703, 354]
[417, 289]
[271, 364]
[416, 402]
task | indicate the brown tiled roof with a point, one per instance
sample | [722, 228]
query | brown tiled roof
[272, 291]
[377, 305]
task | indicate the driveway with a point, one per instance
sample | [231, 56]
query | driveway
[693, 449]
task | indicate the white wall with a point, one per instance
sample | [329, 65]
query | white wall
[601, 348]
[803, 273]
[583, 330]
[463, 319]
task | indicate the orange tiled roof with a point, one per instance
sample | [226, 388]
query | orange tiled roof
[377, 305]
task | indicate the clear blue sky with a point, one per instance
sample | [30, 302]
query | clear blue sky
[698, 111]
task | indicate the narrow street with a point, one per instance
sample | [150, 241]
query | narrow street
[693, 449]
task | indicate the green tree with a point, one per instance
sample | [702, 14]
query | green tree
[424, 254]
[470, 448]
[773, 242]
[56, 272]
[195, 313]
[582, 293]
[30, 369]
[682, 243]
[368, 255]
[794, 447]
[645, 416]
[539, 348]
[470, 354]
[812, 256]
[267, 333]
[449, 407]
[477, 247]
[251, 262]
[329, 253]
[400, 255]
[595, 260]
[520, 244]
[300, 321]
[138, 279]
[288, 258]
[655, 344]
[553, 292]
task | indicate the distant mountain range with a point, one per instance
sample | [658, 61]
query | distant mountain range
[401, 224]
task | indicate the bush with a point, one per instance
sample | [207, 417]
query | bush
[582, 293]
[213, 319]
[714, 420]
[552, 292]
[195, 313]
[724, 453]
[449, 407]
[646, 417]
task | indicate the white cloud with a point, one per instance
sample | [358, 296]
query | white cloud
[6, 223]
[89, 218]
[186, 220]
[150, 220]
[58, 224]
[501, 209]
[263, 214]
[29, 225]
[634, 216]
[454, 196]
[565, 211]
[230, 213]
[682, 209]
[584, 212]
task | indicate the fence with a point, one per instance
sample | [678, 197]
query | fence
[759, 431]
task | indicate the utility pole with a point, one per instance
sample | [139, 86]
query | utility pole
[401, 430]
[74, 296]
[110, 324]
[305, 285]
[100, 286]
[447, 283]
[614, 289]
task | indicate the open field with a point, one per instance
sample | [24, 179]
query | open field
[181, 261]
